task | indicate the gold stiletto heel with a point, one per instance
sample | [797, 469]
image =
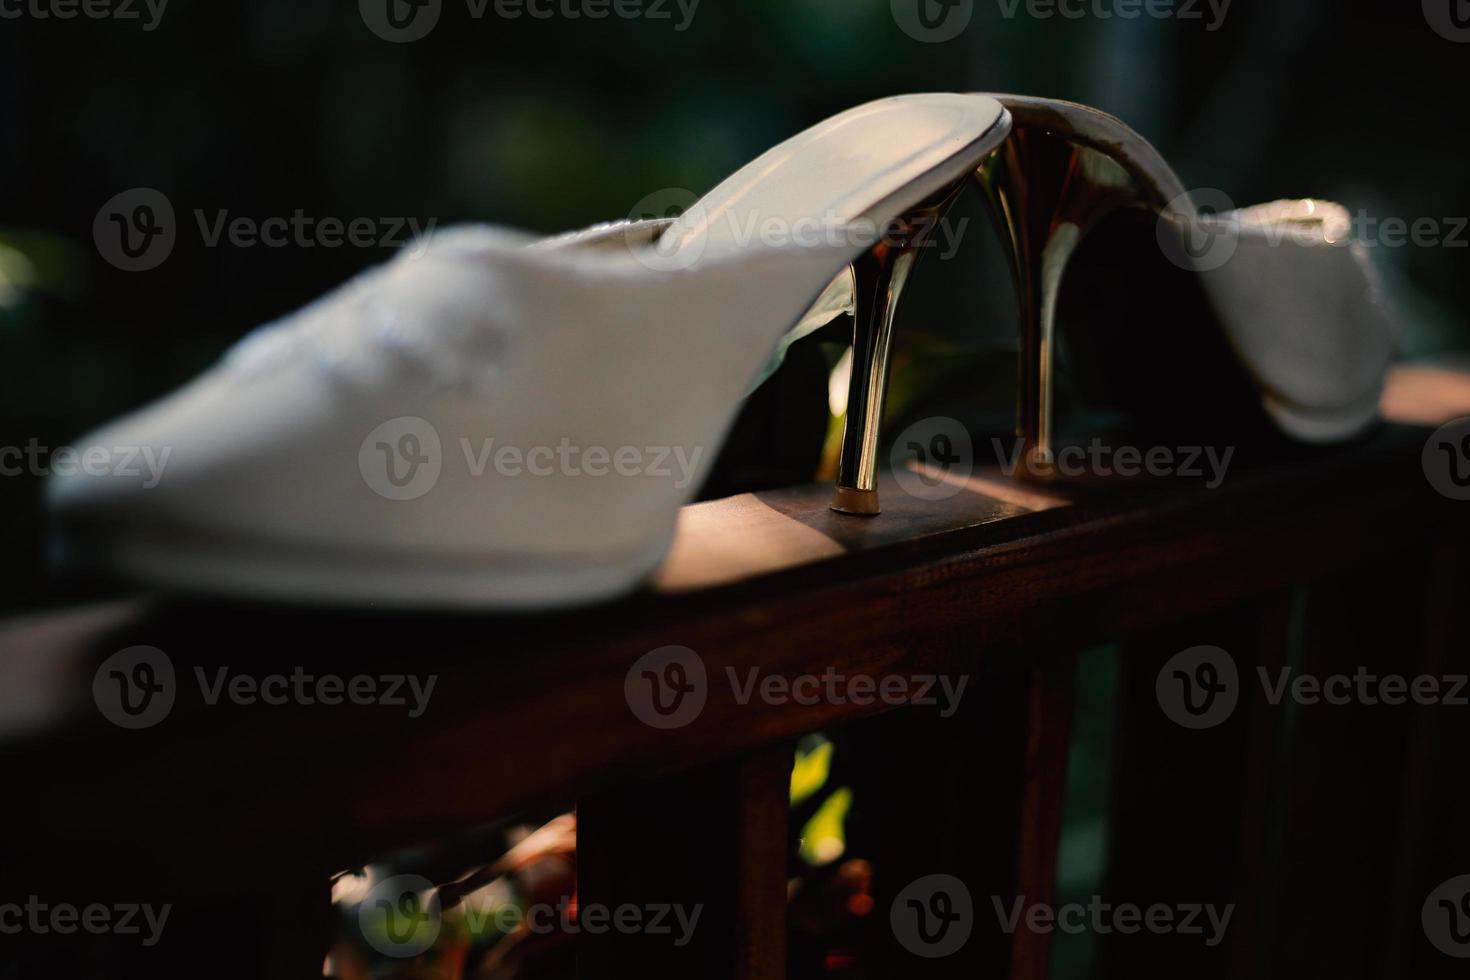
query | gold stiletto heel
[1057, 177]
[879, 277]
[1062, 170]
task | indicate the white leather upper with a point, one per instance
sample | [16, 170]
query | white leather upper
[1300, 303]
[484, 339]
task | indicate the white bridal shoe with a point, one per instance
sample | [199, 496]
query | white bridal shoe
[495, 421]
[1293, 293]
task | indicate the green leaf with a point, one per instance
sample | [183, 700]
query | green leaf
[824, 838]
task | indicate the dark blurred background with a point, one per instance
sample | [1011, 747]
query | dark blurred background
[264, 108]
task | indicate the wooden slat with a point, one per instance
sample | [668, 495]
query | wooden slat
[1190, 809]
[1436, 805]
[976, 796]
[1338, 900]
[712, 841]
[1049, 706]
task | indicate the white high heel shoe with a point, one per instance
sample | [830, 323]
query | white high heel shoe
[498, 422]
[1292, 292]
[502, 422]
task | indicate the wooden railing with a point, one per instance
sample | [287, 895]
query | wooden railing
[1324, 827]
